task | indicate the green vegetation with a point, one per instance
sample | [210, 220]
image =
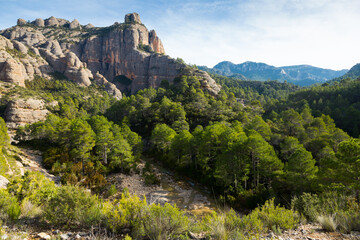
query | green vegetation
[145, 48]
[15, 53]
[69, 207]
[339, 100]
[258, 146]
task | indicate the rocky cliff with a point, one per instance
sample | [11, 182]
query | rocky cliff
[124, 56]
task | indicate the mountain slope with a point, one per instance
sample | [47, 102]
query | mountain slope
[302, 75]
[353, 73]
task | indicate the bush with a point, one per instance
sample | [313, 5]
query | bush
[30, 210]
[123, 213]
[34, 186]
[327, 222]
[276, 217]
[9, 207]
[112, 190]
[307, 204]
[224, 226]
[333, 210]
[162, 222]
[73, 206]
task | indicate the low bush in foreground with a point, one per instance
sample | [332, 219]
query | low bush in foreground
[334, 211]
[71, 206]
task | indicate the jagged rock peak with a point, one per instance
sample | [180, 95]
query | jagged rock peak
[132, 18]
[39, 22]
[75, 24]
[21, 22]
[52, 21]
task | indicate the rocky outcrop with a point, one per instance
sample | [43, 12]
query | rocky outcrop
[21, 22]
[12, 71]
[75, 24]
[132, 18]
[16, 69]
[127, 54]
[25, 111]
[110, 88]
[3, 182]
[123, 52]
[155, 43]
[52, 21]
[39, 22]
[20, 47]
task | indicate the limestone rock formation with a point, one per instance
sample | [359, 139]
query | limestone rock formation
[132, 18]
[12, 71]
[39, 22]
[16, 69]
[25, 111]
[155, 43]
[3, 182]
[75, 24]
[125, 54]
[52, 21]
[21, 22]
[110, 88]
[20, 47]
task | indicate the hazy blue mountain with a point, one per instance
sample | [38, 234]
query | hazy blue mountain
[303, 75]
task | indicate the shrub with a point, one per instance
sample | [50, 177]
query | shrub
[112, 190]
[327, 222]
[73, 206]
[276, 217]
[34, 186]
[9, 207]
[122, 213]
[307, 204]
[162, 222]
[332, 210]
[224, 225]
[30, 210]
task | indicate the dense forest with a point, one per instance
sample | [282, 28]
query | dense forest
[254, 144]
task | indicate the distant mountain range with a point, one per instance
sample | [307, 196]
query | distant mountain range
[302, 75]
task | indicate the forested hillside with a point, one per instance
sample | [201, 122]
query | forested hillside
[271, 154]
[341, 101]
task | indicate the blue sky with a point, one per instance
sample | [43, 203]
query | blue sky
[322, 33]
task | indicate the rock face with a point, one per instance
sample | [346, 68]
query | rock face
[3, 182]
[126, 56]
[25, 111]
[12, 71]
[109, 87]
[16, 68]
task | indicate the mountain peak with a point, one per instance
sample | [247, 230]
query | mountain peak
[132, 18]
[125, 55]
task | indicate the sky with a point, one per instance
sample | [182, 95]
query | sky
[322, 33]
